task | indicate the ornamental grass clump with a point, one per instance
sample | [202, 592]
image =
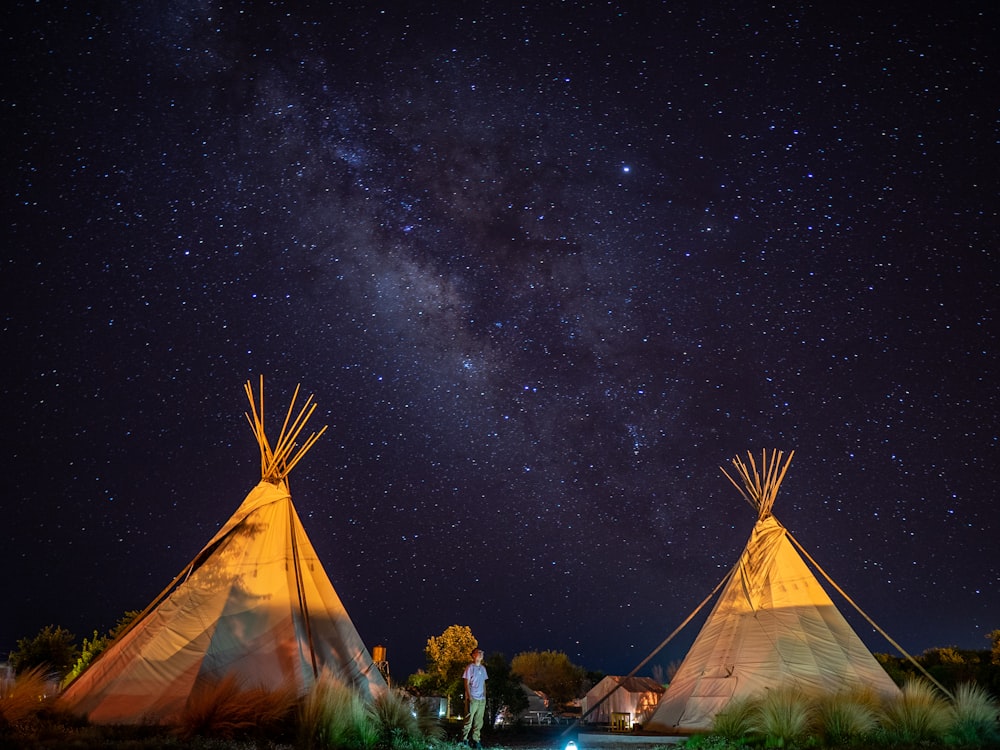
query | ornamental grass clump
[784, 716]
[844, 718]
[333, 715]
[225, 710]
[974, 718]
[22, 697]
[429, 723]
[393, 712]
[403, 723]
[918, 715]
[735, 721]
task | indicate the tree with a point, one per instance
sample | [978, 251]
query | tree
[995, 650]
[421, 683]
[550, 672]
[894, 666]
[503, 689]
[447, 656]
[53, 649]
[127, 618]
[92, 648]
[449, 653]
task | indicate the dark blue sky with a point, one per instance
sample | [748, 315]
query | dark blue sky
[545, 270]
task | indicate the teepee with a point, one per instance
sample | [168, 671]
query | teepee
[255, 604]
[773, 625]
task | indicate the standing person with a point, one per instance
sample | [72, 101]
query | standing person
[475, 678]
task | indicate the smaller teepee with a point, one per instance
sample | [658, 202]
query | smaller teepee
[773, 625]
[254, 604]
[633, 698]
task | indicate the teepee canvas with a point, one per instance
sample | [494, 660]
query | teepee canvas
[773, 625]
[255, 605]
[631, 697]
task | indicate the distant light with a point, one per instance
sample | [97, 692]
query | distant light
[571, 745]
[626, 168]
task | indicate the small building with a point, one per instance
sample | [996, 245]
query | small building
[621, 702]
[435, 706]
[537, 711]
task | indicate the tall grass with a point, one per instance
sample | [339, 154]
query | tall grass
[333, 715]
[974, 718]
[918, 715]
[397, 724]
[783, 716]
[22, 697]
[403, 727]
[736, 719]
[224, 709]
[843, 718]
[429, 723]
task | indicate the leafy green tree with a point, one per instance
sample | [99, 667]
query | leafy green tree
[894, 666]
[421, 683]
[449, 653]
[952, 666]
[550, 672]
[92, 648]
[127, 618]
[503, 689]
[447, 656]
[53, 649]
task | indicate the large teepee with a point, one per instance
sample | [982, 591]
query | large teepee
[773, 625]
[254, 604]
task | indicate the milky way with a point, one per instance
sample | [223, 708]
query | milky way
[544, 270]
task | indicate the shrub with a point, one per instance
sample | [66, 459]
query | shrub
[401, 726]
[333, 715]
[223, 709]
[917, 715]
[54, 649]
[845, 717]
[428, 723]
[708, 742]
[736, 719]
[974, 717]
[783, 716]
[88, 652]
[22, 697]
[397, 725]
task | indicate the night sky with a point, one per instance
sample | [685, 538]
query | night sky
[545, 270]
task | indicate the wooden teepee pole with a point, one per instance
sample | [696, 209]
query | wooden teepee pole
[278, 460]
[759, 487]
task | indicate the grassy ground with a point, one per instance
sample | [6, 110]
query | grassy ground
[151, 738]
[510, 738]
[43, 736]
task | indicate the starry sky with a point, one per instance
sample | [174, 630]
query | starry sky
[545, 270]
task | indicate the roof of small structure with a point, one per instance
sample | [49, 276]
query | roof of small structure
[634, 684]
